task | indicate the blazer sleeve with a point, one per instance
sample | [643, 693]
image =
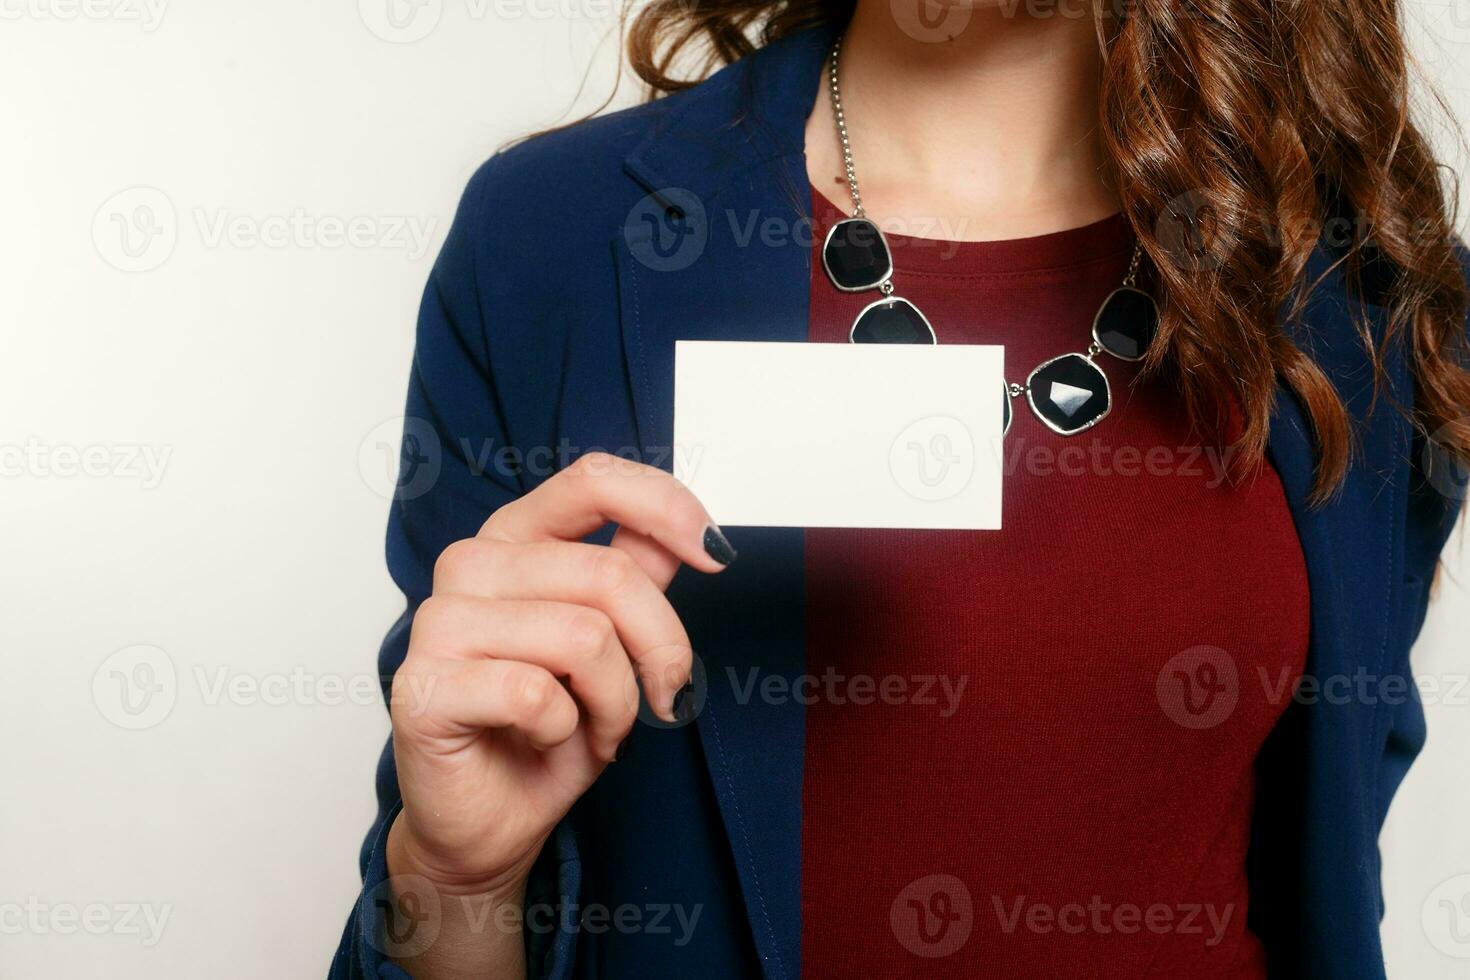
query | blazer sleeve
[447, 485]
[1437, 494]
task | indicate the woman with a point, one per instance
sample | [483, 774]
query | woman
[1068, 748]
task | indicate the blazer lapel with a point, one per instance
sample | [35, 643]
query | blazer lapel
[720, 248]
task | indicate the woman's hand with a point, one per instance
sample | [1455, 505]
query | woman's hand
[522, 681]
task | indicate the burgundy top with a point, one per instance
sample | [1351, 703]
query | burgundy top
[1029, 751]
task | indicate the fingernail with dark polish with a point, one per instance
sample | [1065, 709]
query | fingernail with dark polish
[717, 547]
[682, 707]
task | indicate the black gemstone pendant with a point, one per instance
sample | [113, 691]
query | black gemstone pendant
[891, 320]
[1126, 323]
[1069, 394]
[856, 255]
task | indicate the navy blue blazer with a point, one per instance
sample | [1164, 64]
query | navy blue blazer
[548, 328]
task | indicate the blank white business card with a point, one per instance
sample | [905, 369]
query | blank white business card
[841, 435]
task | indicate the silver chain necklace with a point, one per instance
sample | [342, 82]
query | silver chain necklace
[1069, 393]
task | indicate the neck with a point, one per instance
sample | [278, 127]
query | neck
[992, 133]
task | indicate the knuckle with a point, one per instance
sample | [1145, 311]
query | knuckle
[612, 570]
[589, 632]
[492, 525]
[458, 559]
[594, 463]
[438, 623]
[671, 663]
[528, 694]
[431, 611]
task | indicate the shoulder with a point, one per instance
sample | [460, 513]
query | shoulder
[569, 170]
[595, 170]
[578, 176]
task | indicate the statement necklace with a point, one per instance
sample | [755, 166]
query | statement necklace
[1069, 393]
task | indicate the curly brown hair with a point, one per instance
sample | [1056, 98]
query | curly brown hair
[1261, 128]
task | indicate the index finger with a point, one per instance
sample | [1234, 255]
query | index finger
[600, 488]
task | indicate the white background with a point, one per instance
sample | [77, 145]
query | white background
[264, 377]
